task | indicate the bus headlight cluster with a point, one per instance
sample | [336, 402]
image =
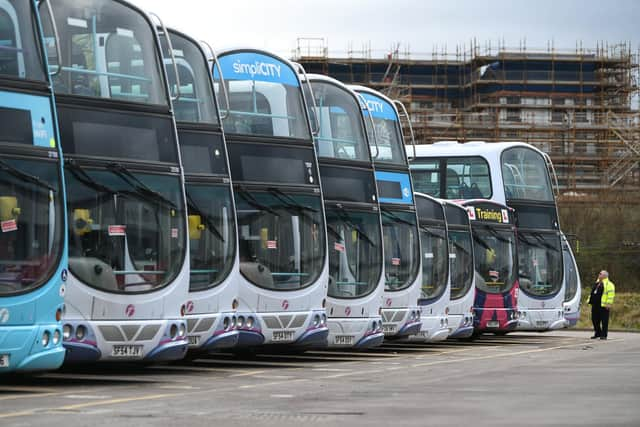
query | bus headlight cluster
[56, 337]
[376, 325]
[46, 336]
[226, 323]
[250, 322]
[81, 332]
[66, 331]
[240, 322]
[173, 331]
[316, 320]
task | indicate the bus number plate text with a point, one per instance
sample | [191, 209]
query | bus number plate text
[127, 351]
[4, 360]
[389, 328]
[343, 340]
[282, 336]
[493, 324]
[194, 339]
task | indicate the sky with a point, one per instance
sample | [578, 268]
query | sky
[420, 26]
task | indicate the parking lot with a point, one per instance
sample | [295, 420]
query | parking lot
[559, 378]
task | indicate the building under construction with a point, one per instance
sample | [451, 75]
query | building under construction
[578, 105]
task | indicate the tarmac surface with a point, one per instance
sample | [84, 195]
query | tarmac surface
[522, 379]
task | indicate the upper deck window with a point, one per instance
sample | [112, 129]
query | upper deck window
[386, 144]
[453, 178]
[196, 103]
[108, 51]
[525, 176]
[20, 55]
[341, 131]
[265, 97]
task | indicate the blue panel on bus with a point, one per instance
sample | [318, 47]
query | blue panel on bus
[39, 108]
[380, 109]
[255, 66]
[394, 187]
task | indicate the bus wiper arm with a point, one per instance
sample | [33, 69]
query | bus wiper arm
[245, 194]
[397, 218]
[540, 239]
[26, 176]
[348, 220]
[140, 187]
[193, 207]
[289, 201]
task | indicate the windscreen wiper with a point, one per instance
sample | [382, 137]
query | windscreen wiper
[396, 218]
[290, 201]
[193, 207]
[344, 215]
[82, 176]
[250, 198]
[26, 176]
[141, 189]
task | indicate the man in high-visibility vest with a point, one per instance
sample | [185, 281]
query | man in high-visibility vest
[601, 300]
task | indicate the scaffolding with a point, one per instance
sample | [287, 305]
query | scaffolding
[578, 105]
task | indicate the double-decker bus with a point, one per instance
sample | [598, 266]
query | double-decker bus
[33, 260]
[573, 285]
[400, 311]
[354, 233]
[214, 266]
[493, 229]
[515, 174]
[284, 268]
[436, 284]
[128, 251]
[461, 270]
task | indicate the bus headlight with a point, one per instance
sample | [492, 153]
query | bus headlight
[233, 321]
[45, 338]
[56, 337]
[66, 331]
[81, 332]
[225, 323]
[250, 321]
[316, 320]
[182, 330]
[240, 322]
[324, 319]
[173, 331]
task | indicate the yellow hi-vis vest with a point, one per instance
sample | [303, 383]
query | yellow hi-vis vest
[608, 292]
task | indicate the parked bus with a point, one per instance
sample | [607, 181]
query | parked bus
[214, 263]
[400, 311]
[128, 250]
[284, 268]
[573, 285]
[515, 174]
[495, 306]
[436, 282]
[33, 245]
[354, 229]
[461, 271]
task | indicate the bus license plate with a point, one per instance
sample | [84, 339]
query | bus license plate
[541, 323]
[493, 324]
[389, 328]
[4, 360]
[343, 340]
[282, 336]
[127, 351]
[194, 339]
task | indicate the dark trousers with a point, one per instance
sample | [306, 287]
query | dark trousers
[600, 319]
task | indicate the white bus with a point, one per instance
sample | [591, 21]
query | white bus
[128, 248]
[573, 285]
[517, 175]
[354, 228]
[402, 261]
[461, 270]
[284, 267]
[436, 282]
[210, 310]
